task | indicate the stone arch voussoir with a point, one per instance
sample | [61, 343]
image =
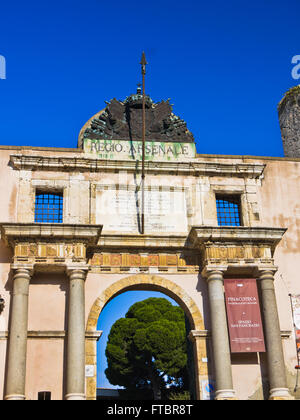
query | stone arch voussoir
[147, 282]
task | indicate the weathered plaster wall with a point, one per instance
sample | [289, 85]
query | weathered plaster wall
[280, 201]
[8, 211]
[273, 201]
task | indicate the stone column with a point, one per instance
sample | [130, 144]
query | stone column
[219, 332]
[17, 342]
[75, 384]
[276, 366]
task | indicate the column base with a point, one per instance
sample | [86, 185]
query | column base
[277, 394]
[75, 397]
[225, 394]
[14, 397]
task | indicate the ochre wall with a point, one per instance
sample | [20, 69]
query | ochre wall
[272, 201]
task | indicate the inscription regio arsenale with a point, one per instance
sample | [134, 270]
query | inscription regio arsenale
[119, 149]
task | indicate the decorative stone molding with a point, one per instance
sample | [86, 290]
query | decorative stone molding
[141, 241]
[15, 232]
[233, 235]
[192, 167]
[58, 245]
[194, 334]
[77, 271]
[185, 261]
[226, 248]
[53, 335]
[50, 245]
[210, 269]
[198, 334]
[95, 335]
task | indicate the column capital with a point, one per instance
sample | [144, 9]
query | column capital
[265, 270]
[198, 335]
[208, 270]
[29, 268]
[72, 269]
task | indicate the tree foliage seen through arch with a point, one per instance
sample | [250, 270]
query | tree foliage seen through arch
[147, 348]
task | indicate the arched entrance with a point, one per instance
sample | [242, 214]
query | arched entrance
[154, 283]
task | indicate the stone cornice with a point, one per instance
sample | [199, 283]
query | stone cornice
[20, 232]
[14, 233]
[85, 164]
[200, 235]
[96, 335]
[53, 335]
[142, 241]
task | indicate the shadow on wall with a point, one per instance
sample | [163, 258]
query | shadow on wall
[6, 253]
[203, 290]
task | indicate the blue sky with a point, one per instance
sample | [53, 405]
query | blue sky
[225, 66]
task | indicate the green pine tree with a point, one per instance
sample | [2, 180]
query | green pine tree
[147, 348]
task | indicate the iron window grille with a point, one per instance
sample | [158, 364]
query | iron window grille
[229, 210]
[48, 207]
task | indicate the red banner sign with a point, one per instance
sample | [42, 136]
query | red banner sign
[243, 314]
[295, 300]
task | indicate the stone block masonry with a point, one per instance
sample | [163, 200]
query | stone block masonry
[289, 119]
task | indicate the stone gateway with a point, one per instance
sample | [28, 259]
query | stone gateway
[71, 241]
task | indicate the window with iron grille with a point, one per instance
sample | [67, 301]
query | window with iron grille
[48, 207]
[229, 210]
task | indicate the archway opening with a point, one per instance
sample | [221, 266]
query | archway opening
[149, 283]
[117, 308]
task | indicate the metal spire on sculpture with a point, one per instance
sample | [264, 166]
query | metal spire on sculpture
[143, 63]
